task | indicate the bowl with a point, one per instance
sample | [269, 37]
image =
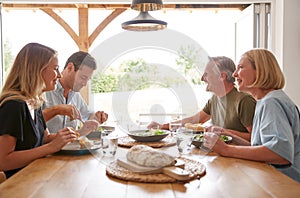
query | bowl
[198, 139]
[152, 135]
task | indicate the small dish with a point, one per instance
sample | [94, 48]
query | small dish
[107, 128]
[198, 139]
[152, 135]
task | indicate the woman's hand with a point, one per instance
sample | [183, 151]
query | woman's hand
[215, 129]
[213, 142]
[62, 137]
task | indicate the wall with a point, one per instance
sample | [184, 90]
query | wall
[291, 48]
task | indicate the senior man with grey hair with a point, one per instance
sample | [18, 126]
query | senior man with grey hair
[229, 110]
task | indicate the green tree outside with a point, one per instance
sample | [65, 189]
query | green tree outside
[138, 74]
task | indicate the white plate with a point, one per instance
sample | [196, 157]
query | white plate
[74, 148]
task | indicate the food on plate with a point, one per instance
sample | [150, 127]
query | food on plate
[77, 135]
[152, 135]
[106, 128]
[84, 142]
[150, 132]
[147, 156]
[200, 138]
[196, 127]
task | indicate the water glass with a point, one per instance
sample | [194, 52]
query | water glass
[109, 144]
[184, 138]
[210, 139]
[173, 126]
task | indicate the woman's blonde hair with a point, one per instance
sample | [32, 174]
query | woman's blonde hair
[268, 72]
[24, 81]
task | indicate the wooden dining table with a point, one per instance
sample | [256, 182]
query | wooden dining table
[62, 175]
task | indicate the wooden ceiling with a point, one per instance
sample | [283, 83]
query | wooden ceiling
[83, 39]
[121, 6]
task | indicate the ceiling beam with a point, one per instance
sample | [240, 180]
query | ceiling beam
[121, 6]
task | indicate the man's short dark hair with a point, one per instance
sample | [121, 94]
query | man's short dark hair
[81, 58]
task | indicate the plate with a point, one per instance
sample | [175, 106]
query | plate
[73, 148]
[145, 135]
[94, 135]
[198, 139]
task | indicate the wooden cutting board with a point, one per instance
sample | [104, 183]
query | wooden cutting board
[177, 171]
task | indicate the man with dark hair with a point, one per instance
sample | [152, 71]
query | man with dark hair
[65, 104]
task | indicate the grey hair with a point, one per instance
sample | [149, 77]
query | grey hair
[226, 65]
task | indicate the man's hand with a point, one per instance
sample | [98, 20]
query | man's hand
[154, 125]
[69, 110]
[101, 116]
[61, 109]
[88, 126]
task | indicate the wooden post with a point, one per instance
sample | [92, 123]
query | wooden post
[83, 41]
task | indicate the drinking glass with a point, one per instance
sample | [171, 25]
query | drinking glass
[184, 138]
[173, 126]
[210, 139]
[109, 142]
[175, 123]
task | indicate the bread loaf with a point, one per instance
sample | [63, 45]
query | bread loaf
[147, 156]
[196, 127]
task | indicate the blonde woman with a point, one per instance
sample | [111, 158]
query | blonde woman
[275, 135]
[24, 136]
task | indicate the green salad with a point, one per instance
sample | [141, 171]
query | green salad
[200, 138]
[150, 132]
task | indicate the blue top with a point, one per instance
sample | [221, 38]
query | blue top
[276, 125]
[56, 97]
[16, 121]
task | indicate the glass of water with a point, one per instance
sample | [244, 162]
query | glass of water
[173, 126]
[109, 142]
[175, 123]
[184, 138]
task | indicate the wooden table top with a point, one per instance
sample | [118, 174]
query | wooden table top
[85, 176]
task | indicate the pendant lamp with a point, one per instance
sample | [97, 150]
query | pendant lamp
[144, 21]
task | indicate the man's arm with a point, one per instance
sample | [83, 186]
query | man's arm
[246, 136]
[61, 109]
[200, 117]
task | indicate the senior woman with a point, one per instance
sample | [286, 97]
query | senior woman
[275, 135]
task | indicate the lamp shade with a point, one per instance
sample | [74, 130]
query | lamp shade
[144, 22]
[146, 5]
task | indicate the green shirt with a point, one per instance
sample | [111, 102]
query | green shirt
[234, 111]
